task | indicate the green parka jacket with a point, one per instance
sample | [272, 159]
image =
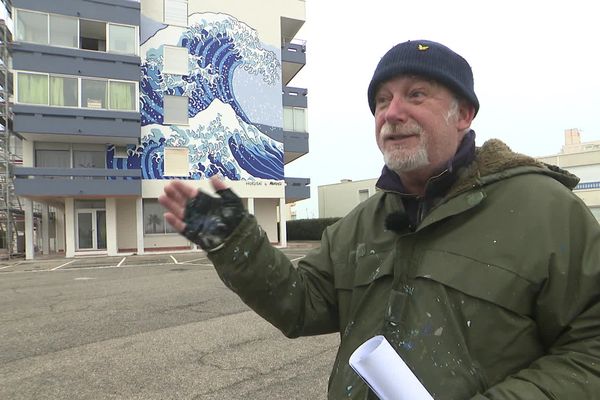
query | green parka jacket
[495, 295]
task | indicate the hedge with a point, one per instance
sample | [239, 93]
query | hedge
[308, 229]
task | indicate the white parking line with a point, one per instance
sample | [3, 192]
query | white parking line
[62, 265]
[297, 258]
[121, 262]
[185, 263]
[94, 267]
[8, 266]
[191, 261]
[174, 260]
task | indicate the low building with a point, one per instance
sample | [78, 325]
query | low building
[337, 199]
[581, 159]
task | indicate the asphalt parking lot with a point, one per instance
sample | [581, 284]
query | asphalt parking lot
[154, 326]
[57, 262]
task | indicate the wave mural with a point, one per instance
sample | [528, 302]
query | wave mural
[220, 136]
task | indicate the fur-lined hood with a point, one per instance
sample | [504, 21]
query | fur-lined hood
[495, 161]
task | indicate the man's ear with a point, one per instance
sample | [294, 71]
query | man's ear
[466, 113]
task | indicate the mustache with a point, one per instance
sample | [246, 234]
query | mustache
[390, 130]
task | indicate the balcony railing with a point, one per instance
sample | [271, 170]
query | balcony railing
[65, 182]
[294, 51]
[296, 189]
[295, 145]
[295, 97]
[587, 185]
[76, 121]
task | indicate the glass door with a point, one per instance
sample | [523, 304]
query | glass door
[85, 230]
[100, 229]
[91, 229]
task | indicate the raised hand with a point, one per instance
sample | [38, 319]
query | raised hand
[203, 219]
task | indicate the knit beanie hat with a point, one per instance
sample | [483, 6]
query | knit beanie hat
[428, 59]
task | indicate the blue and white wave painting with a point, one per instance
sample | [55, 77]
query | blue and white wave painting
[221, 137]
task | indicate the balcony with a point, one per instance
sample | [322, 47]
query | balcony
[76, 182]
[296, 189]
[117, 11]
[295, 145]
[293, 57]
[75, 62]
[294, 97]
[79, 123]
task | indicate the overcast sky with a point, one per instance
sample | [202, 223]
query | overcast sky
[536, 66]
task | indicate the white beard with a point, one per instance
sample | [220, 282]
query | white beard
[400, 159]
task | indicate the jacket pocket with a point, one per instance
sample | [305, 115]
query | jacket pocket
[372, 267]
[485, 281]
[363, 270]
[362, 278]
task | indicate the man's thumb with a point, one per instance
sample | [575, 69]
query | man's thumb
[217, 183]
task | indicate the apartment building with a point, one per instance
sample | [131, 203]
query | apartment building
[115, 98]
[579, 158]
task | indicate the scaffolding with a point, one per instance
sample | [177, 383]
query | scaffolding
[10, 208]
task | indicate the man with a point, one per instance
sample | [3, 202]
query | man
[479, 265]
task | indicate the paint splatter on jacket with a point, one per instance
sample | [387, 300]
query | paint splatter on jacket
[494, 295]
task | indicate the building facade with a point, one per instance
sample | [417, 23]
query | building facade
[115, 98]
[338, 199]
[579, 158]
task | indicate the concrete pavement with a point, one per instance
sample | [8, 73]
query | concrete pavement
[146, 327]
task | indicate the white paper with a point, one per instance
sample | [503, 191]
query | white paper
[378, 364]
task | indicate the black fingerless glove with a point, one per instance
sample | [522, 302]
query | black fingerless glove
[210, 220]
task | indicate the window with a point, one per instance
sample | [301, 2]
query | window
[92, 35]
[294, 119]
[32, 88]
[70, 155]
[176, 110]
[299, 120]
[53, 155]
[87, 204]
[176, 12]
[154, 221]
[63, 91]
[288, 119]
[53, 158]
[88, 159]
[175, 60]
[93, 93]
[32, 27]
[120, 152]
[63, 31]
[122, 39]
[363, 195]
[122, 96]
[176, 161]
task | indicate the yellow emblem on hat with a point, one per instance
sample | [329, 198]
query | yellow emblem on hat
[422, 47]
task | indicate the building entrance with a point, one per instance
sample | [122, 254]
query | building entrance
[91, 229]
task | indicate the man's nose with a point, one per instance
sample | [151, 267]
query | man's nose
[396, 110]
